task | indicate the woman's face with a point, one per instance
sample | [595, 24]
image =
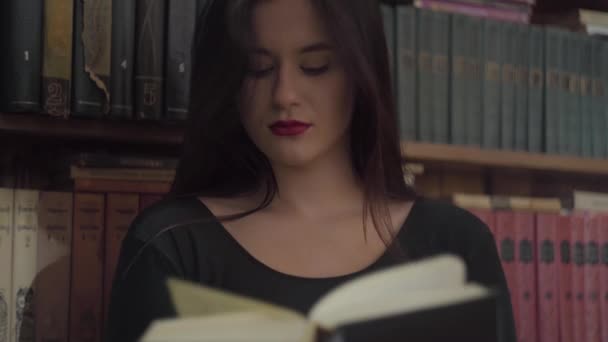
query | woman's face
[296, 104]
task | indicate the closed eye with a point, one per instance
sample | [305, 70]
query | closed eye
[315, 71]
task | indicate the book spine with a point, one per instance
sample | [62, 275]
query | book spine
[406, 71]
[88, 100]
[124, 186]
[563, 93]
[536, 84]
[586, 130]
[603, 237]
[526, 275]
[521, 87]
[492, 82]
[22, 55]
[388, 22]
[486, 216]
[599, 118]
[592, 279]
[121, 210]
[565, 279]
[548, 285]
[553, 58]
[457, 80]
[602, 92]
[573, 114]
[123, 59]
[505, 241]
[52, 286]
[6, 261]
[87, 268]
[578, 277]
[507, 108]
[425, 79]
[474, 80]
[116, 161]
[25, 241]
[440, 47]
[181, 25]
[147, 200]
[150, 56]
[57, 63]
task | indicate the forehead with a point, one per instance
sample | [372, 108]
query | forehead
[281, 24]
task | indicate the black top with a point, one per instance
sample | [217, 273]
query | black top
[201, 250]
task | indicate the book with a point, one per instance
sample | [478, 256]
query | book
[565, 279]
[86, 290]
[25, 240]
[405, 68]
[603, 242]
[181, 24]
[21, 61]
[577, 231]
[132, 174]
[150, 56]
[113, 185]
[592, 279]
[6, 260]
[403, 302]
[52, 282]
[57, 62]
[548, 283]
[122, 64]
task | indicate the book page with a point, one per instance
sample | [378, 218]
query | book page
[233, 327]
[192, 299]
[388, 290]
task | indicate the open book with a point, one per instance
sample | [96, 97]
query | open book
[426, 300]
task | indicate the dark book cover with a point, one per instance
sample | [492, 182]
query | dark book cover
[21, 61]
[150, 58]
[123, 59]
[180, 31]
[89, 99]
[405, 69]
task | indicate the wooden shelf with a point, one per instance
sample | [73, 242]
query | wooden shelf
[143, 132]
[473, 156]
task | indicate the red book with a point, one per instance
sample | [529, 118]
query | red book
[505, 241]
[547, 263]
[565, 279]
[603, 236]
[578, 277]
[592, 280]
[525, 273]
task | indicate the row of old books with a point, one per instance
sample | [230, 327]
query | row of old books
[59, 249]
[498, 84]
[122, 59]
[555, 261]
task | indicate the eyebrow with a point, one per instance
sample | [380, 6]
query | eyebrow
[321, 46]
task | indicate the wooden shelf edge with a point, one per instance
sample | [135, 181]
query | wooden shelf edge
[496, 158]
[94, 129]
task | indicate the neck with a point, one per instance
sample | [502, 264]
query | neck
[327, 185]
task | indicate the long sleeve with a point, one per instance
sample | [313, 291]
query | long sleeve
[139, 294]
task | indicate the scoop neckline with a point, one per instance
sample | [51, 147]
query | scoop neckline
[242, 250]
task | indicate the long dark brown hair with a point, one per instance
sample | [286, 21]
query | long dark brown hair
[220, 160]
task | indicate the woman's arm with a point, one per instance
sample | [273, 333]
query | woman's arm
[139, 294]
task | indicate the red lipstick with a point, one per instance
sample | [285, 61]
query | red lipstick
[287, 128]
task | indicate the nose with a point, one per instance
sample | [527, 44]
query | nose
[285, 94]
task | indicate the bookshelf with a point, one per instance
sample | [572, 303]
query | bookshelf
[474, 156]
[116, 131]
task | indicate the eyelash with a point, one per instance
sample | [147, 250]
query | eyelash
[309, 71]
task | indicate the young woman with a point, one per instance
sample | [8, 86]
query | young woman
[290, 182]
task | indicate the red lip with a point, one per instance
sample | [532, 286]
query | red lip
[289, 128]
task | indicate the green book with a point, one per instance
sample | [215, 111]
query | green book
[425, 76]
[601, 90]
[440, 48]
[553, 61]
[473, 80]
[406, 71]
[507, 97]
[536, 85]
[388, 19]
[572, 114]
[458, 122]
[599, 119]
[492, 83]
[586, 106]
[521, 86]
